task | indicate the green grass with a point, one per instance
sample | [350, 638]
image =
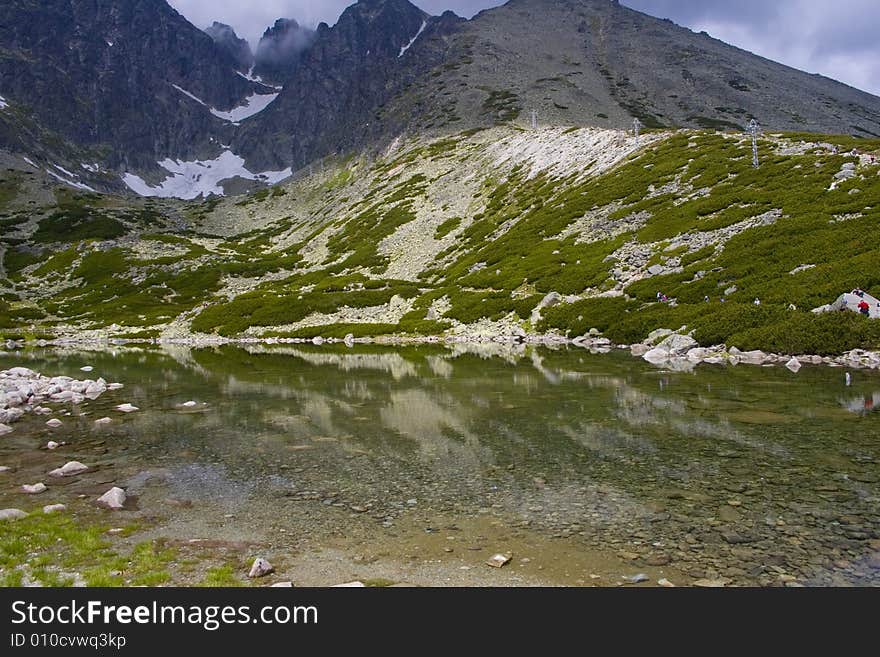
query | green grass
[506, 256]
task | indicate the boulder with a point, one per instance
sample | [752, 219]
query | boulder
[113, 499]
[12, 514]
[127, 408]
[794, 365]
[34, 489]
[678, 345]
[54, 508]
[69, 469]
[655, 336]
[260, 568]
[639, 350]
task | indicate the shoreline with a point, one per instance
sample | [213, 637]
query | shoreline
[663, 347]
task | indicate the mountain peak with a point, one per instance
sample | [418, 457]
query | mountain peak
[280, 49]
[229, 42]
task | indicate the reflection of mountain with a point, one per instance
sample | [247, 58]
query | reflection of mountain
[392, 362]
[601, 446]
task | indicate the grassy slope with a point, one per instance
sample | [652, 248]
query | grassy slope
[670, 204]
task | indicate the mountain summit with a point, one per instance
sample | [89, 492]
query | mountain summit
[132, 86]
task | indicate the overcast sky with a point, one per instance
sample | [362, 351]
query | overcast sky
[840, 39]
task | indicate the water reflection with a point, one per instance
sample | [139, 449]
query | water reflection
[734, 471]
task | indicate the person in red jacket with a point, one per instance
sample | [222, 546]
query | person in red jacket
[864, 308]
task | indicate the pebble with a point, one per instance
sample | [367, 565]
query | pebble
[190, 404]
[113, 498]
[127, 408]
[34, 489]
[665, 583]
[349, 585]
[52, 445]
[12, 514]
[498, 560]
[281, 585]
[53, 508]
[54, 423]
[635, 579]
[713, 583]
[87, 368]
[69, 469]
[260, 568]
[103, 420]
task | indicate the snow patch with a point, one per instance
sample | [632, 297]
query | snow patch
[65, 171]
[189, 95]
[69, 182]
[250, 77]
[189, 180]
[253, 105]
[3, 103]
[94, 168]
[403, 49]
[30, 162]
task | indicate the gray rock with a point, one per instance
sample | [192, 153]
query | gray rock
[260, 568]
[655, 336]
[635, 579]
[656, 270]
[34, 489]
[12, 514]
[678, 345]
[638, 350]
[113, 498]
[794, 365]
[4, 429]
[54, 508]
[69, 469]
[713, 583]
[498, 560]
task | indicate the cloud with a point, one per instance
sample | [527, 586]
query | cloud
[837, 39]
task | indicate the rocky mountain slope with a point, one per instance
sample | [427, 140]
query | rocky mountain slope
[129, 92]
[499, 232]
[238, 49]
[116, 78]
[280, 50]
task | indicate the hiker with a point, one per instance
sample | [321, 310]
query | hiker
[706, 299]
[864, 308]
[722, 299]
[664, 298]
[757, 301]
[658, 295]
[859, 293]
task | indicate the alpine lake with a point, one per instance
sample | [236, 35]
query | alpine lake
[416, 465]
